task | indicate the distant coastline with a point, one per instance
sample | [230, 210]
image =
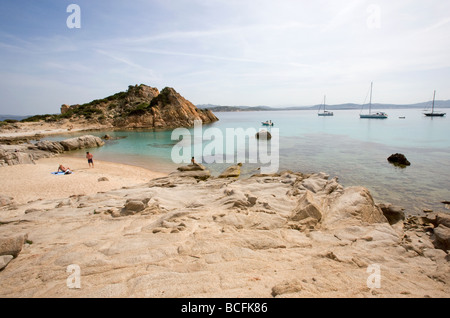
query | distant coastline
[347, 106]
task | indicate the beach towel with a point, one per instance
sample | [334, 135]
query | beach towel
[61, 173]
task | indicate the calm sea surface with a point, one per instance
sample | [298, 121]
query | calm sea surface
[354, 150]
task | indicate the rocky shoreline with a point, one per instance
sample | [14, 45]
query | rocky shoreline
[28, 153]
[282, 235]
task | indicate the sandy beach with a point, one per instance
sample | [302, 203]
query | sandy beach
[33, 182]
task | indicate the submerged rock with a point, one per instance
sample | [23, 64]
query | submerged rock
[399, 159]
[263, 135]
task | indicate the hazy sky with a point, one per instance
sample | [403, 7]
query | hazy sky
[225, 52]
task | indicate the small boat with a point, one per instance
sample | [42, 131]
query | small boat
[325, 112]
[377, 115]
[267, 123]
[433, 113]
[403, 117]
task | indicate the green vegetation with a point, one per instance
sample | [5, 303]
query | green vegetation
[139, 110]
[37, 118]
[162, 98]
[117, 105]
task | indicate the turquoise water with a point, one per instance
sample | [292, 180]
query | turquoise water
[353, 149]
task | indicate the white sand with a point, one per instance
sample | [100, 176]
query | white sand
[32, 182]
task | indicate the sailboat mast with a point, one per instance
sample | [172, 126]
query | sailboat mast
[434, 97]
[370, 104]
[324, 98]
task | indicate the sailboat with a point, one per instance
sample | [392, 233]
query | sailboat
[377, 115]
[433, 113]
[325, 112]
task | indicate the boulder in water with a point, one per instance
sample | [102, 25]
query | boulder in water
[399, 159]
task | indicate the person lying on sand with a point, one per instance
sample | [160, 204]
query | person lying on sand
[64, 169]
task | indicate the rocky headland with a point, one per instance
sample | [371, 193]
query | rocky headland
[141, 106]
[193, 235]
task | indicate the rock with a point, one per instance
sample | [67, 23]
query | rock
[32, 210]
[103, 179]
[307, 207]
[263, 135]
[443, 219]
[4, 260]
[192, 167]
[399, 160]
[5, 200]
[393, 214]
[82, 142]
[354, 204]
[64, 108]
[133, 206]
[15, 158]
[232, 172]
[12, 245]
[442, 237]
[287, 287]
[435, 254]
[51, 146]
[314, 184]
[199, 175]
[166, 109]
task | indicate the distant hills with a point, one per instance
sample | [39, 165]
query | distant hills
[12, 117]
[424, 105]
[348, 106]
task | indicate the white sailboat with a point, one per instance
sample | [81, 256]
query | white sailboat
[377, 115]
[325, 112]
[433, 113]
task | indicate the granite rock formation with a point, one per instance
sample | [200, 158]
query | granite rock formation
[282, 235]
[141, 106]
[28, 153]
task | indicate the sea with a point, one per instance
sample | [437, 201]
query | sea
[344, 146]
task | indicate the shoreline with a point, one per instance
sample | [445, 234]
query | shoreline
[32, 182]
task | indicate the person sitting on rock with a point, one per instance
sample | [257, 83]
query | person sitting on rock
[64, 169]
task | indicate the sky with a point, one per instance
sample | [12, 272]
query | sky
[276, 53]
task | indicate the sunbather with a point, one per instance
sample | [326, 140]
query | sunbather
[64, 169]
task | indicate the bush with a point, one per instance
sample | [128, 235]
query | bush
[11, 121]
[162, 98]
[37, 118]
[139, 110]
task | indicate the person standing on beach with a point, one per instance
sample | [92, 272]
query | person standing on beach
[90, 158]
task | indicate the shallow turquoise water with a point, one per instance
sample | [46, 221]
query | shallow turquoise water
[353, 149]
